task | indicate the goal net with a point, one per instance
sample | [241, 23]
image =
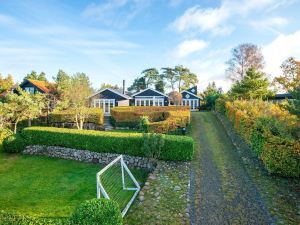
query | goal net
[116, 182]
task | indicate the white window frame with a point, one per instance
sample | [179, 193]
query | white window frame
[149, 101]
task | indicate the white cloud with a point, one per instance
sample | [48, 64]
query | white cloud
[270, 23]
[190, 46]
[282, 47]
[215, 20]
[116, 13]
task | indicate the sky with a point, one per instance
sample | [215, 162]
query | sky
[112, 40]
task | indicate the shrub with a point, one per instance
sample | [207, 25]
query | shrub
[3, 134]
[14, 143]
[178, 148]
[96, 116]
[162, 119]
[97, 211]
[220, 105]
[153, 144]
[143, 123]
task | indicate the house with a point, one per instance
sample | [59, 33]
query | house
[109, 98]
[34, 86]
[281, 97]
[190, 98]
[149, 97]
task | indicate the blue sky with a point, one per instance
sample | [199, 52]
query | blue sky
[112, 40]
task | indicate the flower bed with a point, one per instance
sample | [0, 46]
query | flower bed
[163, 119]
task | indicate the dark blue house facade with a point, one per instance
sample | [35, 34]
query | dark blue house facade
[149, 97]
[190, 98]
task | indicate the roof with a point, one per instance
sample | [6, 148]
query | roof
[112, 90]
[283, 96]
[190, 93]
[42, 85]
[137, 93]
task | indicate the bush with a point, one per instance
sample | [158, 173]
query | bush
[97, 211]
[153, 144]
[14, 144]
[177, 148]
[96, 116]
[143, 123]
[3, 134]
[162, 119]
[220, 105]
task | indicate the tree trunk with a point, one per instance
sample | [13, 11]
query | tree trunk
[15, 127]
[29, 122]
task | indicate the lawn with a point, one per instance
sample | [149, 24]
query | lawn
[48, 187]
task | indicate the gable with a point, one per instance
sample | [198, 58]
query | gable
[193, 90]
[109, 94]
[39, 86]
[149, 93]
[189, 95]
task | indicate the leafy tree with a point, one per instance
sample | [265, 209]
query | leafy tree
[290, 78]
[160, 85]
[171, 76]
[34, 76]
[23, 106]
[6, 83]
[175, 97]
[151, 76]
[211, 94]
[114, 87]
[294, 105]
[254, 85]
[77, 97]
[244, 57]
[62, 84]
[138, 84]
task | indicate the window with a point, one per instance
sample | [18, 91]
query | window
[29, 90]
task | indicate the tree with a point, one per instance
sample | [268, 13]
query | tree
[138, 84]
[77, 96]
[160, 85]
[34, 76]
[175, 97]
[294, 105]
[23, 106]
[254, 85]
[6, 83]
[244, 57]
[290, 78]
[171, 76]
[211, 94]
[151, 76]
[114, 87]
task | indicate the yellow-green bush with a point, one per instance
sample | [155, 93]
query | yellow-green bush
[268, 129]
[162, 119]
[95, 115]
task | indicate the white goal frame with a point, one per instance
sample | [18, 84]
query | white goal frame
[124, 168]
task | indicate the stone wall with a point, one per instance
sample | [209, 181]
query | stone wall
[88, 156]
[86, 126]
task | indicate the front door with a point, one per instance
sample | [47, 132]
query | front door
[105, 105]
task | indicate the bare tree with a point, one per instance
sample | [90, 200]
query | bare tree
[244, 57]
[175, 98]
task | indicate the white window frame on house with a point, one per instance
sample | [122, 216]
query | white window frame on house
[149, 101]
[105, 105]
[29, 90]
[192, 103]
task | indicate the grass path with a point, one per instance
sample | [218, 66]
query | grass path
[221, 190]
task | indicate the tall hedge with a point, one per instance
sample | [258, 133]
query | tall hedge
[269, 130]
[177, 148]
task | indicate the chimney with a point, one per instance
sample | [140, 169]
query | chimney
[123, 87]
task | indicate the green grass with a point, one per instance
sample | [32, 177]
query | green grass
[47, 187]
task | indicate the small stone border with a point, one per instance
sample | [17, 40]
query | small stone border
[88, 156]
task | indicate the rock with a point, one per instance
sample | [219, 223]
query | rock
[177, 188]
[147, 183]
[141, 198]
[156, 194]
[142, 193]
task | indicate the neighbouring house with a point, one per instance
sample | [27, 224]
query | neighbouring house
[149, 97]
[190, 98]
[35, 86]
[109, 98]
[281, 97]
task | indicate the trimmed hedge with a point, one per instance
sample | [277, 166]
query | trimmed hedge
[268, 129]
[97, 211]
[177, 148]
[96, 116]
[163, 119]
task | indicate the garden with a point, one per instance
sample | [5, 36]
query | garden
[59, 191]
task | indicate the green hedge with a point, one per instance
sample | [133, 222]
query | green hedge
[67, 116]
[177, 148]
[14, 143]
[97, 211]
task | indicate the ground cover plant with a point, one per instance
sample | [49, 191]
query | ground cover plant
[271, 131]
[177, 148]
[37, 186]
[162, 119]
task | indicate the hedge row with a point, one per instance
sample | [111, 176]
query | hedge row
[95, 115]
[271, 132]
[177, 148]
[163, 119]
